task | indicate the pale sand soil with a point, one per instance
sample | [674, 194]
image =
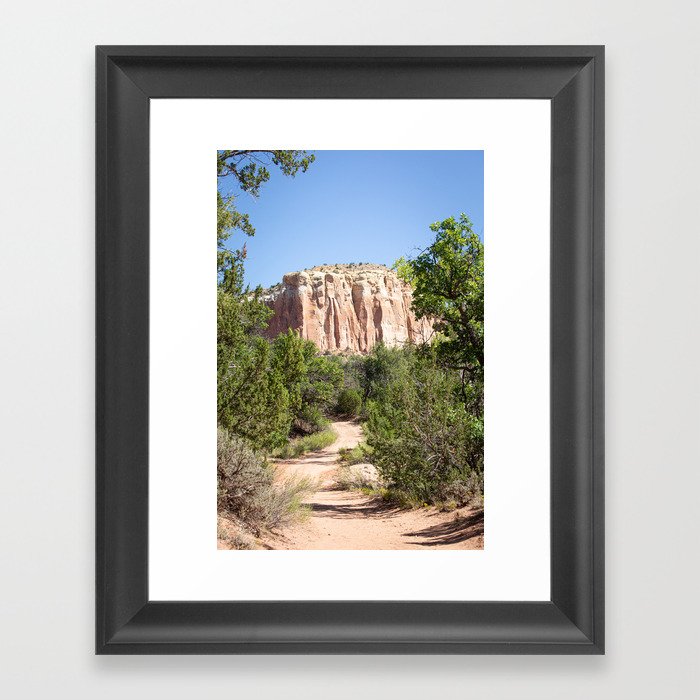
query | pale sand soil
[351, 520]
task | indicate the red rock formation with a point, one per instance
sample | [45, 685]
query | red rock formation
[346, 308]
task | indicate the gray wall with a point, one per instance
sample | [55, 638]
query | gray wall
[46, 368]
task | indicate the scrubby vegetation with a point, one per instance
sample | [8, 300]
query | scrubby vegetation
[421, 434]
[270, 396]
[247, 487]
[349, 403]
[422, 407]
[357, 477]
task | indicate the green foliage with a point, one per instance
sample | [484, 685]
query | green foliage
[261, 389]
[423, 406]
[252, 401]
[448, 286]
[266, 391]
[311, 380]
[349, 403]
[424, 440]
[375, 372]
[288, 363]
[308, 420]
[324, 377]
[403, 269]
[248, 170]
[353, 372]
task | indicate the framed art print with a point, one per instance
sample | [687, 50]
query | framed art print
[367, 417]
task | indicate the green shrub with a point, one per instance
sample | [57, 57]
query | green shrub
[427, 446]
[307, 443]
[309, 419]
[252, 400]
[247, 489]
[349, 403]
[309, 379]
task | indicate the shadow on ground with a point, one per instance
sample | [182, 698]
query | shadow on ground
[457, 530]
[372, 508]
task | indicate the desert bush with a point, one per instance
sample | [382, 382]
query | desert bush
[307, 443]
[426, 444]
[269, 391]
[349, 403]
[252, 399]
[448, 286]
[310, 419]
[247, 487]
[466, 491]
[384, 366]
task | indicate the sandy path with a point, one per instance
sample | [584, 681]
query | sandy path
[351, 520]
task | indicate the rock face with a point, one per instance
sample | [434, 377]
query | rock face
[346, 308]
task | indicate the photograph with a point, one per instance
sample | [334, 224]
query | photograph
[350, 349]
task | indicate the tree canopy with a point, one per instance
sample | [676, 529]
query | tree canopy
[264, 389]
[249, 170]
[448, 286]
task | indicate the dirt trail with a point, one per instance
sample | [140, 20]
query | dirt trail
[351, 520]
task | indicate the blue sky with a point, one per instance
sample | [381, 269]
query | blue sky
[356, 206]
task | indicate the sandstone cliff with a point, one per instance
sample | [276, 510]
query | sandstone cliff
[346, 308]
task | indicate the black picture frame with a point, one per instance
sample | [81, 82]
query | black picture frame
[572, 79]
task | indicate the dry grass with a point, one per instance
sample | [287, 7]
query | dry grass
[356, 476]
[248, 491]
[360, 454]
[308, 443]
[232, 534]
